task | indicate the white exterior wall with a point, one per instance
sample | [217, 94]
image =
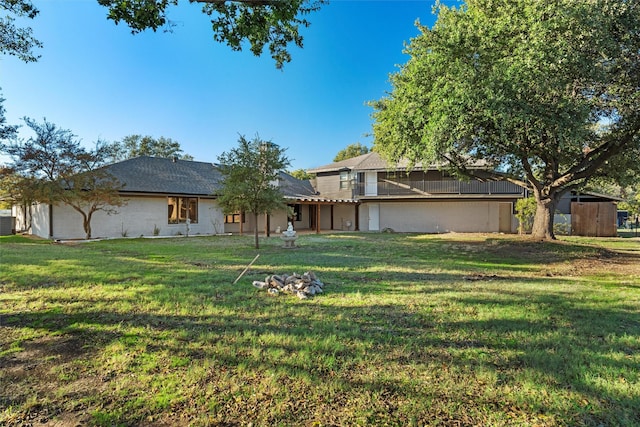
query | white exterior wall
[137, 218]
[39, 219]
[142, 214]
[435, 217]
[17, 212]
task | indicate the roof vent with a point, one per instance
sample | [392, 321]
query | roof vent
[175, 159]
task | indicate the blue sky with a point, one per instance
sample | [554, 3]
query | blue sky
[100, 81]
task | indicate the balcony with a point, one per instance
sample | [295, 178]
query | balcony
[431, 188]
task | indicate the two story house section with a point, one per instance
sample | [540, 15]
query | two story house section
[423, 200]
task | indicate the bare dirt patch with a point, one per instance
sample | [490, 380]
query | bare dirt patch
[557, 258]
[36, 372]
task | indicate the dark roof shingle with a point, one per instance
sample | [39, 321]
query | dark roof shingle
[374, 162]
[167, 176]
[160, 175]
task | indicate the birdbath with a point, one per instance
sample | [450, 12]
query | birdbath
[289, 237]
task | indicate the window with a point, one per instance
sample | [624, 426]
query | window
[234, 218]
[346, 180]
[181, 209]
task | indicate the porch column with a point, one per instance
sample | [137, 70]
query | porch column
[332, 227]
[318, 218]
[357, 223]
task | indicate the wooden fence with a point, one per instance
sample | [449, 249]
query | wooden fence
[598, 219]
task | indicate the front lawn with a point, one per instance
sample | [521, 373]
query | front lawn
[450, 329]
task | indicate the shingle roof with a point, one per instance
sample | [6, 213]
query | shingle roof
[166, 176]
[374, 162]
[576, 193]
[295, 188]
[160, 175]
[367, 161]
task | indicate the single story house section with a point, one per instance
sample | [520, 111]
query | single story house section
[423, 200]
[161, 195]
[171, 197]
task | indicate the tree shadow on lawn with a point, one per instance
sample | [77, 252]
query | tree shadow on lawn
[362, 347]
[363, 350]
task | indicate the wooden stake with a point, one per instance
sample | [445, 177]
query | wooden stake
[245, 270]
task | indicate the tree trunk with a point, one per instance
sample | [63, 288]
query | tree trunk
[255, 229]
[543, 220]
[27, 216]
[86, 223]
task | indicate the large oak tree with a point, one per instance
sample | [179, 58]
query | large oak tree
[14, 39]
[274, 24]
[548, 92]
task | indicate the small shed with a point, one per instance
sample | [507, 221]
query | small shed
[7, 223]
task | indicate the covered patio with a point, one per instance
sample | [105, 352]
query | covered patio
[326, 214]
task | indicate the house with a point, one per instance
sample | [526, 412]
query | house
[161, 194]
[423, 199]
[168, 197]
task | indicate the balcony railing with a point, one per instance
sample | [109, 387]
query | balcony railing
[427, 188]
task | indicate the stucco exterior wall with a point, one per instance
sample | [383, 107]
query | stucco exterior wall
[436, 217]
[279, 219]
[344, 217]
[38, 217]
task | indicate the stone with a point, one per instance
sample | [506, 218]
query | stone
[303, 286]
[259, 285]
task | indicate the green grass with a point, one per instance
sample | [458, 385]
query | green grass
[411, 330]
